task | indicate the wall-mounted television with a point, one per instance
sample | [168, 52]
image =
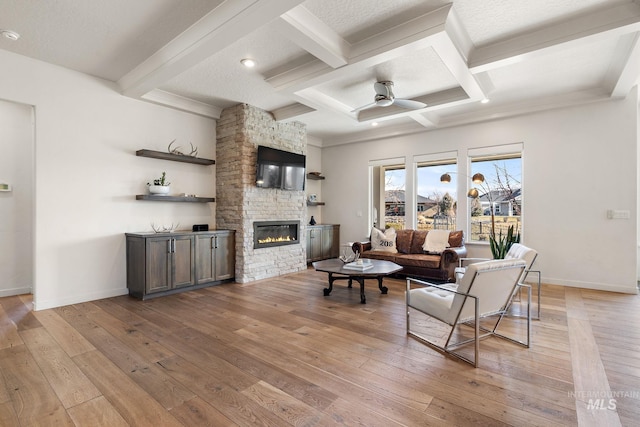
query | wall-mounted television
[280, 169]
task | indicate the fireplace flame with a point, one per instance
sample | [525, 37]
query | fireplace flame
[275, 239]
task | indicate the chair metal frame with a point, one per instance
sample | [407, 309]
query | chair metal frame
[524, 278]
[449, 348]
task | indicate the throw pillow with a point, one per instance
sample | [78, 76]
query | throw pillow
[384, 241]
[436, 241]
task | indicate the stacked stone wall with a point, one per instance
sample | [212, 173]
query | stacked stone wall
[240, 130]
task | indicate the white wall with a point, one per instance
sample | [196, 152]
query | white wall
[314, 164]
[577, 163]
[87, 176]
[16, 206]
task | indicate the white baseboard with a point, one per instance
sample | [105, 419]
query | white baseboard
[76, 299]
[609, 287]
[15, 291]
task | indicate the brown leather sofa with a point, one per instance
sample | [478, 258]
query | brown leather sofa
[414, 260]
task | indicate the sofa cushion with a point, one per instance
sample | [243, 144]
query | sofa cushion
[383, 241]
[386, 256]
[419, 260]
[456, 239]
[403, 241]
[417, 241]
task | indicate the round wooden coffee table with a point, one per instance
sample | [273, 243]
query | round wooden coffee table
[338, 271]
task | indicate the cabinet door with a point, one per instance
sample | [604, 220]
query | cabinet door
[316, 244]
[327, 242]
[335, 244]
[183, 261]
[225, 256]
[308, 245]
[158, 271]
[205, 261]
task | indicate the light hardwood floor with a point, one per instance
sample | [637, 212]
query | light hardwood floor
[277, 352]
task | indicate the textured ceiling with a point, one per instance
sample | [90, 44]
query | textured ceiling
[318, 60]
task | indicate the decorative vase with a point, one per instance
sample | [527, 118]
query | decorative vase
[159, 190]
[313, 221]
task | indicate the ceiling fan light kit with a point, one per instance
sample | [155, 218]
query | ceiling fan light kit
[385, 98]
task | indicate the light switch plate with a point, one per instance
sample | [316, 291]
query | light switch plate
[618, 214]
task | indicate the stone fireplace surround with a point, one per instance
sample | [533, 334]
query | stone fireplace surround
[239, 203]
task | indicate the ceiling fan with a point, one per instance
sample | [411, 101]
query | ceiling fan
[384, 98]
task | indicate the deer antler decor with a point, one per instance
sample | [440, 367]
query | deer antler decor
[193, 153]
[164, 228]
[174, 150]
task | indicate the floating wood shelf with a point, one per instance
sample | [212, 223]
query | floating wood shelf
[174, 157]
[314, 176]
[175, 198]
[315, 203]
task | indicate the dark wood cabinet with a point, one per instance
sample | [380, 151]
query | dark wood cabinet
[169, 263]
[323, 242]
[215, 256]
[165, 263]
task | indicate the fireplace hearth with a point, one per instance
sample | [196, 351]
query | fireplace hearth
[275, 233]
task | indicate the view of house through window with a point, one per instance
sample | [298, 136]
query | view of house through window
[499, 204]
[394, 196]
[436, 201]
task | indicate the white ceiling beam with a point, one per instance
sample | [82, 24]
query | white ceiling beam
[624, 71]
[455, 62]
[212, 33]
[290, 111]
[424, 120]
[613, 21]
[310, 33]
[181, 103]
[527, 107]
[321, 101]
[393, 43]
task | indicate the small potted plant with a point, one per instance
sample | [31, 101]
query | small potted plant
[160, 186]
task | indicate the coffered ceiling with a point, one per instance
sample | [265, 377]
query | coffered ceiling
[318, 60]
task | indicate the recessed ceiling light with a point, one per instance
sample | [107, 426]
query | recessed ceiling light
[374, 124]
[11, 35]
[248, 62]
[485, 100]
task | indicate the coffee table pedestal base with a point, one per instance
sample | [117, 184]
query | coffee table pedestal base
[359, 279]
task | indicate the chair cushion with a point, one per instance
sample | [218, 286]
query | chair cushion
[434, 301]
[383, 241]
[403, 241]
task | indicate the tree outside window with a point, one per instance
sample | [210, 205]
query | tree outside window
[436, 201]
[499, 204]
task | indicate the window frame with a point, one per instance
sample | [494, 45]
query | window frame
[494, 153]
[447, 158]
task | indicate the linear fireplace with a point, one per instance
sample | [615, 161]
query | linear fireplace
[275, 233]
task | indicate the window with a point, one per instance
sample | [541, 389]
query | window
[386, 193]
[499, 202]
[436, 201]
[394, 196]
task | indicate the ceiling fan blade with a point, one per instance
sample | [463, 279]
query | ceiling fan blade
[364, 107]
[408, 103]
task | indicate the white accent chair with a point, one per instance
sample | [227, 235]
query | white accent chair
[515, 251]
[484, 292]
